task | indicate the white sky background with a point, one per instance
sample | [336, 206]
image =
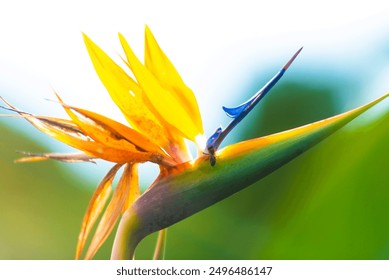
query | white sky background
[214, 45]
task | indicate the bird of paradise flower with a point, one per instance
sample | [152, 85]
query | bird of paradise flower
[163, 112]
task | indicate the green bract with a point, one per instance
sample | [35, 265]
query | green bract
[194, 187]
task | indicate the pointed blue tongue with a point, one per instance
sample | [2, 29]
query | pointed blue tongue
[240, 112]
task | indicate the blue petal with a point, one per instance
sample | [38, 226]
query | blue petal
[211, 141]
[240, 112]
[236, 111]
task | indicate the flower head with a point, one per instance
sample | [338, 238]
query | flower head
[163, 113]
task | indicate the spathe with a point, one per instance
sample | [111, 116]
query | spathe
[176, 196]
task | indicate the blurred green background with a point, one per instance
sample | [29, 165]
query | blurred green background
[329, 203]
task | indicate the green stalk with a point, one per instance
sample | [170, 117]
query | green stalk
[159, 252]
[127, 237]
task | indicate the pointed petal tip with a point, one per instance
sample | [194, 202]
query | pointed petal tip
[286, 66]
[91, 47]
[124, 43]
[121, 37]
[87, 40]
[149, 36]
[7, 103]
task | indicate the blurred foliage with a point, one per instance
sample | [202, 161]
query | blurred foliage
[329, 203]
[41, 205]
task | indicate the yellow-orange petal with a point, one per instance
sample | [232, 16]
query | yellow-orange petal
[163, 103]
[64, 131]
[134, 191]
[69, 133]
[98, 132]
[163, 69]
[110, 132]
[120, 131]
[112, 211]
[70, 157]
[127, 95]
[95, 207]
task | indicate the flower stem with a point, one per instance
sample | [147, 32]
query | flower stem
[127, 237]
[159, 252]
